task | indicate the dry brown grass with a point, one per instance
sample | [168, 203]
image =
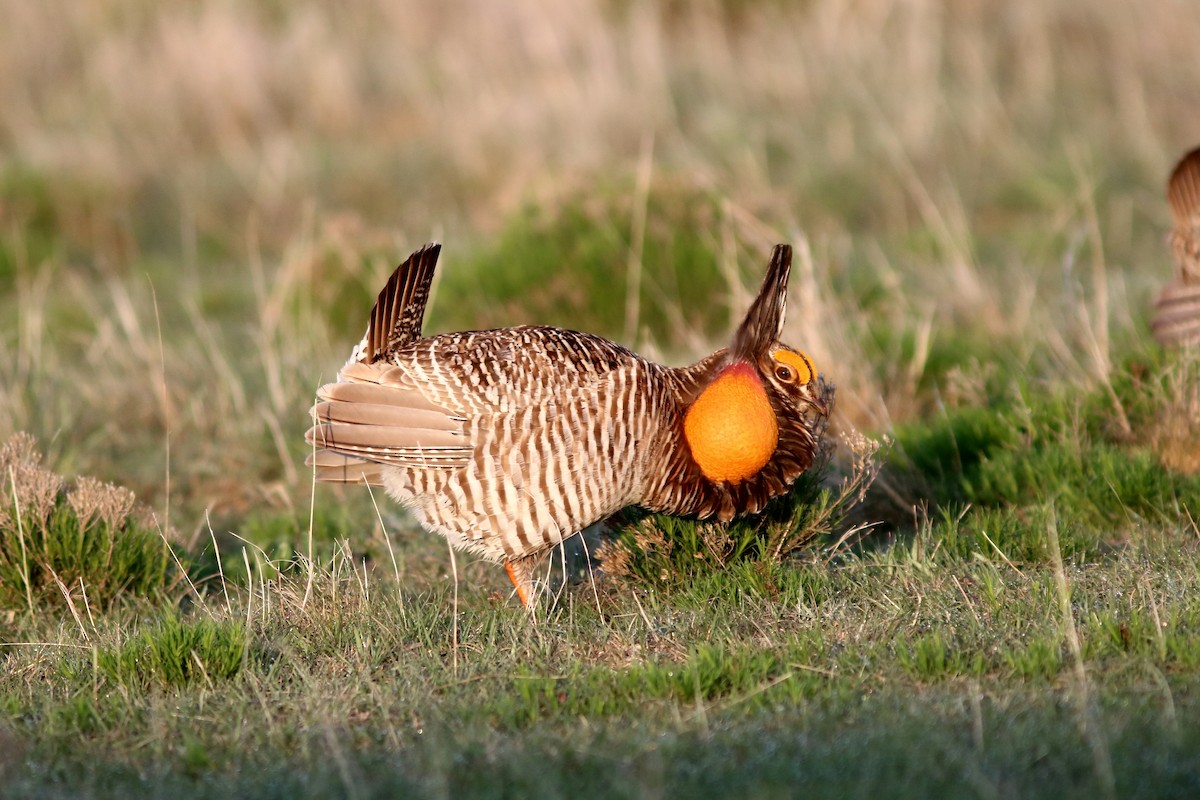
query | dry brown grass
[270, 155]
[428, 112]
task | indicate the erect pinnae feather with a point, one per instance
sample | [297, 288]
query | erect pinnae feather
[763, 323]
[400, 308]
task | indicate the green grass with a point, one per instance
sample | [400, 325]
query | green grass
[899, 659]
[570, 267]
[175, 653]
[1000, 474]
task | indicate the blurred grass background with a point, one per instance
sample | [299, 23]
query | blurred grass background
[199, 202]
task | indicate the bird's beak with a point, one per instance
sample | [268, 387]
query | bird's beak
[822, 401]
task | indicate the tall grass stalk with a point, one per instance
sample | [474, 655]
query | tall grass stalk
[1089, 724]
[12, 482]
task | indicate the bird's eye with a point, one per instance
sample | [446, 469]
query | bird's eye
[792, 366]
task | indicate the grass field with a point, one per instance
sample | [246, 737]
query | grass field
[198, 203]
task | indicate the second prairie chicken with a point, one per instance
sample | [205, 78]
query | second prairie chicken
[509, 441]
[1177, 311]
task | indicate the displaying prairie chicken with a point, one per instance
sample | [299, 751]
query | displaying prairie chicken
[509, 441]
[1177, 311]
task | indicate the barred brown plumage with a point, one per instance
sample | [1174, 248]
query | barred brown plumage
[1177, 311]
[509, 441]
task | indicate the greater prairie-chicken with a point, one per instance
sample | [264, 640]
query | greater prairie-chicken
[509, 441]
[1177, 311]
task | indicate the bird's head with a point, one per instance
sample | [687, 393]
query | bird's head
[763, 400]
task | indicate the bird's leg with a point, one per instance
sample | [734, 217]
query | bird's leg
[520, 572]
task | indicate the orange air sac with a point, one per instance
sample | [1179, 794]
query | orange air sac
[731, 427]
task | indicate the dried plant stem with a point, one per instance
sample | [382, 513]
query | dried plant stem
[454, 623]
[1093, 733]
[387, 540]
[633, 279]
[12, 481]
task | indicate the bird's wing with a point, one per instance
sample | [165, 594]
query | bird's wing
[415, 409]
[375, 416]
[485, 372]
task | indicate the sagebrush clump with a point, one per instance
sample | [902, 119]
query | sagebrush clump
[86, 539]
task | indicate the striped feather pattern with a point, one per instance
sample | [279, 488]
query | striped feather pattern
[1183, 189]
[399, 310]
[1177, 314]
[1176, 318]
[509, 441]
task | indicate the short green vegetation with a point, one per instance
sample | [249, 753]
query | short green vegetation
[87, 539]
[175, 653]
